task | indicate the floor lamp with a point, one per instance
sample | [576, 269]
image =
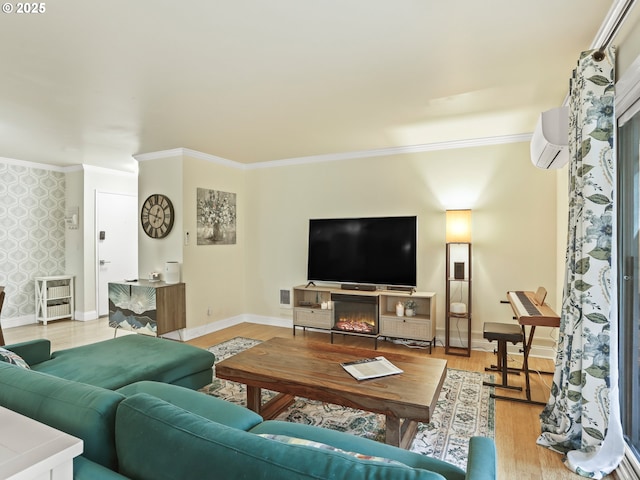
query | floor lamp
[458, 280]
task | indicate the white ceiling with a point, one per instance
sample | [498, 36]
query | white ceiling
[96, 82]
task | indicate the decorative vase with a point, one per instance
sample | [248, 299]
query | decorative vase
[409, 312]
[218, 233]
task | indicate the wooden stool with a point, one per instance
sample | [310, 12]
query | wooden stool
[502, 333]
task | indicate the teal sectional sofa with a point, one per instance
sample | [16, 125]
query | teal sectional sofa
[155, 430]
[120, 361]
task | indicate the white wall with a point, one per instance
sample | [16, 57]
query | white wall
[164, 176]
[75, 238]
[514, 221]
[214, 274]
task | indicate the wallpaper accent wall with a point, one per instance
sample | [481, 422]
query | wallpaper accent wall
[32, 233]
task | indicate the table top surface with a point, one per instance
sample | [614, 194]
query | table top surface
[312, 370]
[27, 445]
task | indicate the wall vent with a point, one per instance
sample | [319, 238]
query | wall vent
[285, 298]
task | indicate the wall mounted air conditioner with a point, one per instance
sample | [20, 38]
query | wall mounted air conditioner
[550, 140]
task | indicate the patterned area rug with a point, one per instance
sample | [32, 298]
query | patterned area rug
[464, 410]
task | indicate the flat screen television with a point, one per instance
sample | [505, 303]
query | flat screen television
[369, 251]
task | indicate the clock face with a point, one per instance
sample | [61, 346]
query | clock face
[157, 216]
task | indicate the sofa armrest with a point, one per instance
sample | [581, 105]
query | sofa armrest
[482, 461]
[32, 351]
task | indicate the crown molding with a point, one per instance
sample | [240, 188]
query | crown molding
[330, 157]
[381, 152]
[182, 152]
[41, 166]
[143, 157]
[333, 157]
[213, 158]
[110, 171]
[67, 169]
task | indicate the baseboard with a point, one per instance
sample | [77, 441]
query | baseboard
[191, 333]
[271, 321]
[85, 316]
[537, 351]
[540, 349]
[31, 319]
[19, 321]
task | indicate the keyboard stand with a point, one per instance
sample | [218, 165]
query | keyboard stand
[525, 369]
[502, 333]
[527, 343]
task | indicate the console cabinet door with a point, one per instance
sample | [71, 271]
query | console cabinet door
[313, 318]
[412, 328]
[153, 307]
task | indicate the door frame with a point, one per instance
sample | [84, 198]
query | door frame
[96, 250]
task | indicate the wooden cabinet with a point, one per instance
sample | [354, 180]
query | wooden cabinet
[149, 307]
[54, 296]
[313, 308]
[417, 325]
[308, 308]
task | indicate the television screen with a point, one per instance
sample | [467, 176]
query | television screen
[378, 251]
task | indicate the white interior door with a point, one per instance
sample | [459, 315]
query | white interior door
[117, 244]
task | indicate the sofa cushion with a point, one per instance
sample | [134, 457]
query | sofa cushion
[361, 445]
[120, 361]
[310, 443]
[199, 403]
[8, 356]
[183, 445]
[80, 410]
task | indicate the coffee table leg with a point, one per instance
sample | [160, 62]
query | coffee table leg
[392, 433]
[254, 398]
[400, 433]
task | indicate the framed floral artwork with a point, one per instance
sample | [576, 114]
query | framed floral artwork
[216, 217]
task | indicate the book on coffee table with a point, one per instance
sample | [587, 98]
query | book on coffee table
[370, 368]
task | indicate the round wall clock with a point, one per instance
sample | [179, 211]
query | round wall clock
[157, 216]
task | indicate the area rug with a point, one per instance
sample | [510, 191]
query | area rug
[464, 409]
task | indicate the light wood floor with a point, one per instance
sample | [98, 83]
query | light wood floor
[517, 425]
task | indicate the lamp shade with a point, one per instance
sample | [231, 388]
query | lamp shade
[458, 226]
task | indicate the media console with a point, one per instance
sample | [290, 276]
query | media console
[367, 313]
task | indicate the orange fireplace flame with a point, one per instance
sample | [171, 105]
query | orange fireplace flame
[356, 322]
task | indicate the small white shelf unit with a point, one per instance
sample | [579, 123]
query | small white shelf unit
[54, 297]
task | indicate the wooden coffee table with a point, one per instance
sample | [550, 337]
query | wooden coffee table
[312, 370]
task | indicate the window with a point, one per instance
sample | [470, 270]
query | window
[629, 281]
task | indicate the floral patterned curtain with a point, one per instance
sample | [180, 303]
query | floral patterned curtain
[582, 416]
